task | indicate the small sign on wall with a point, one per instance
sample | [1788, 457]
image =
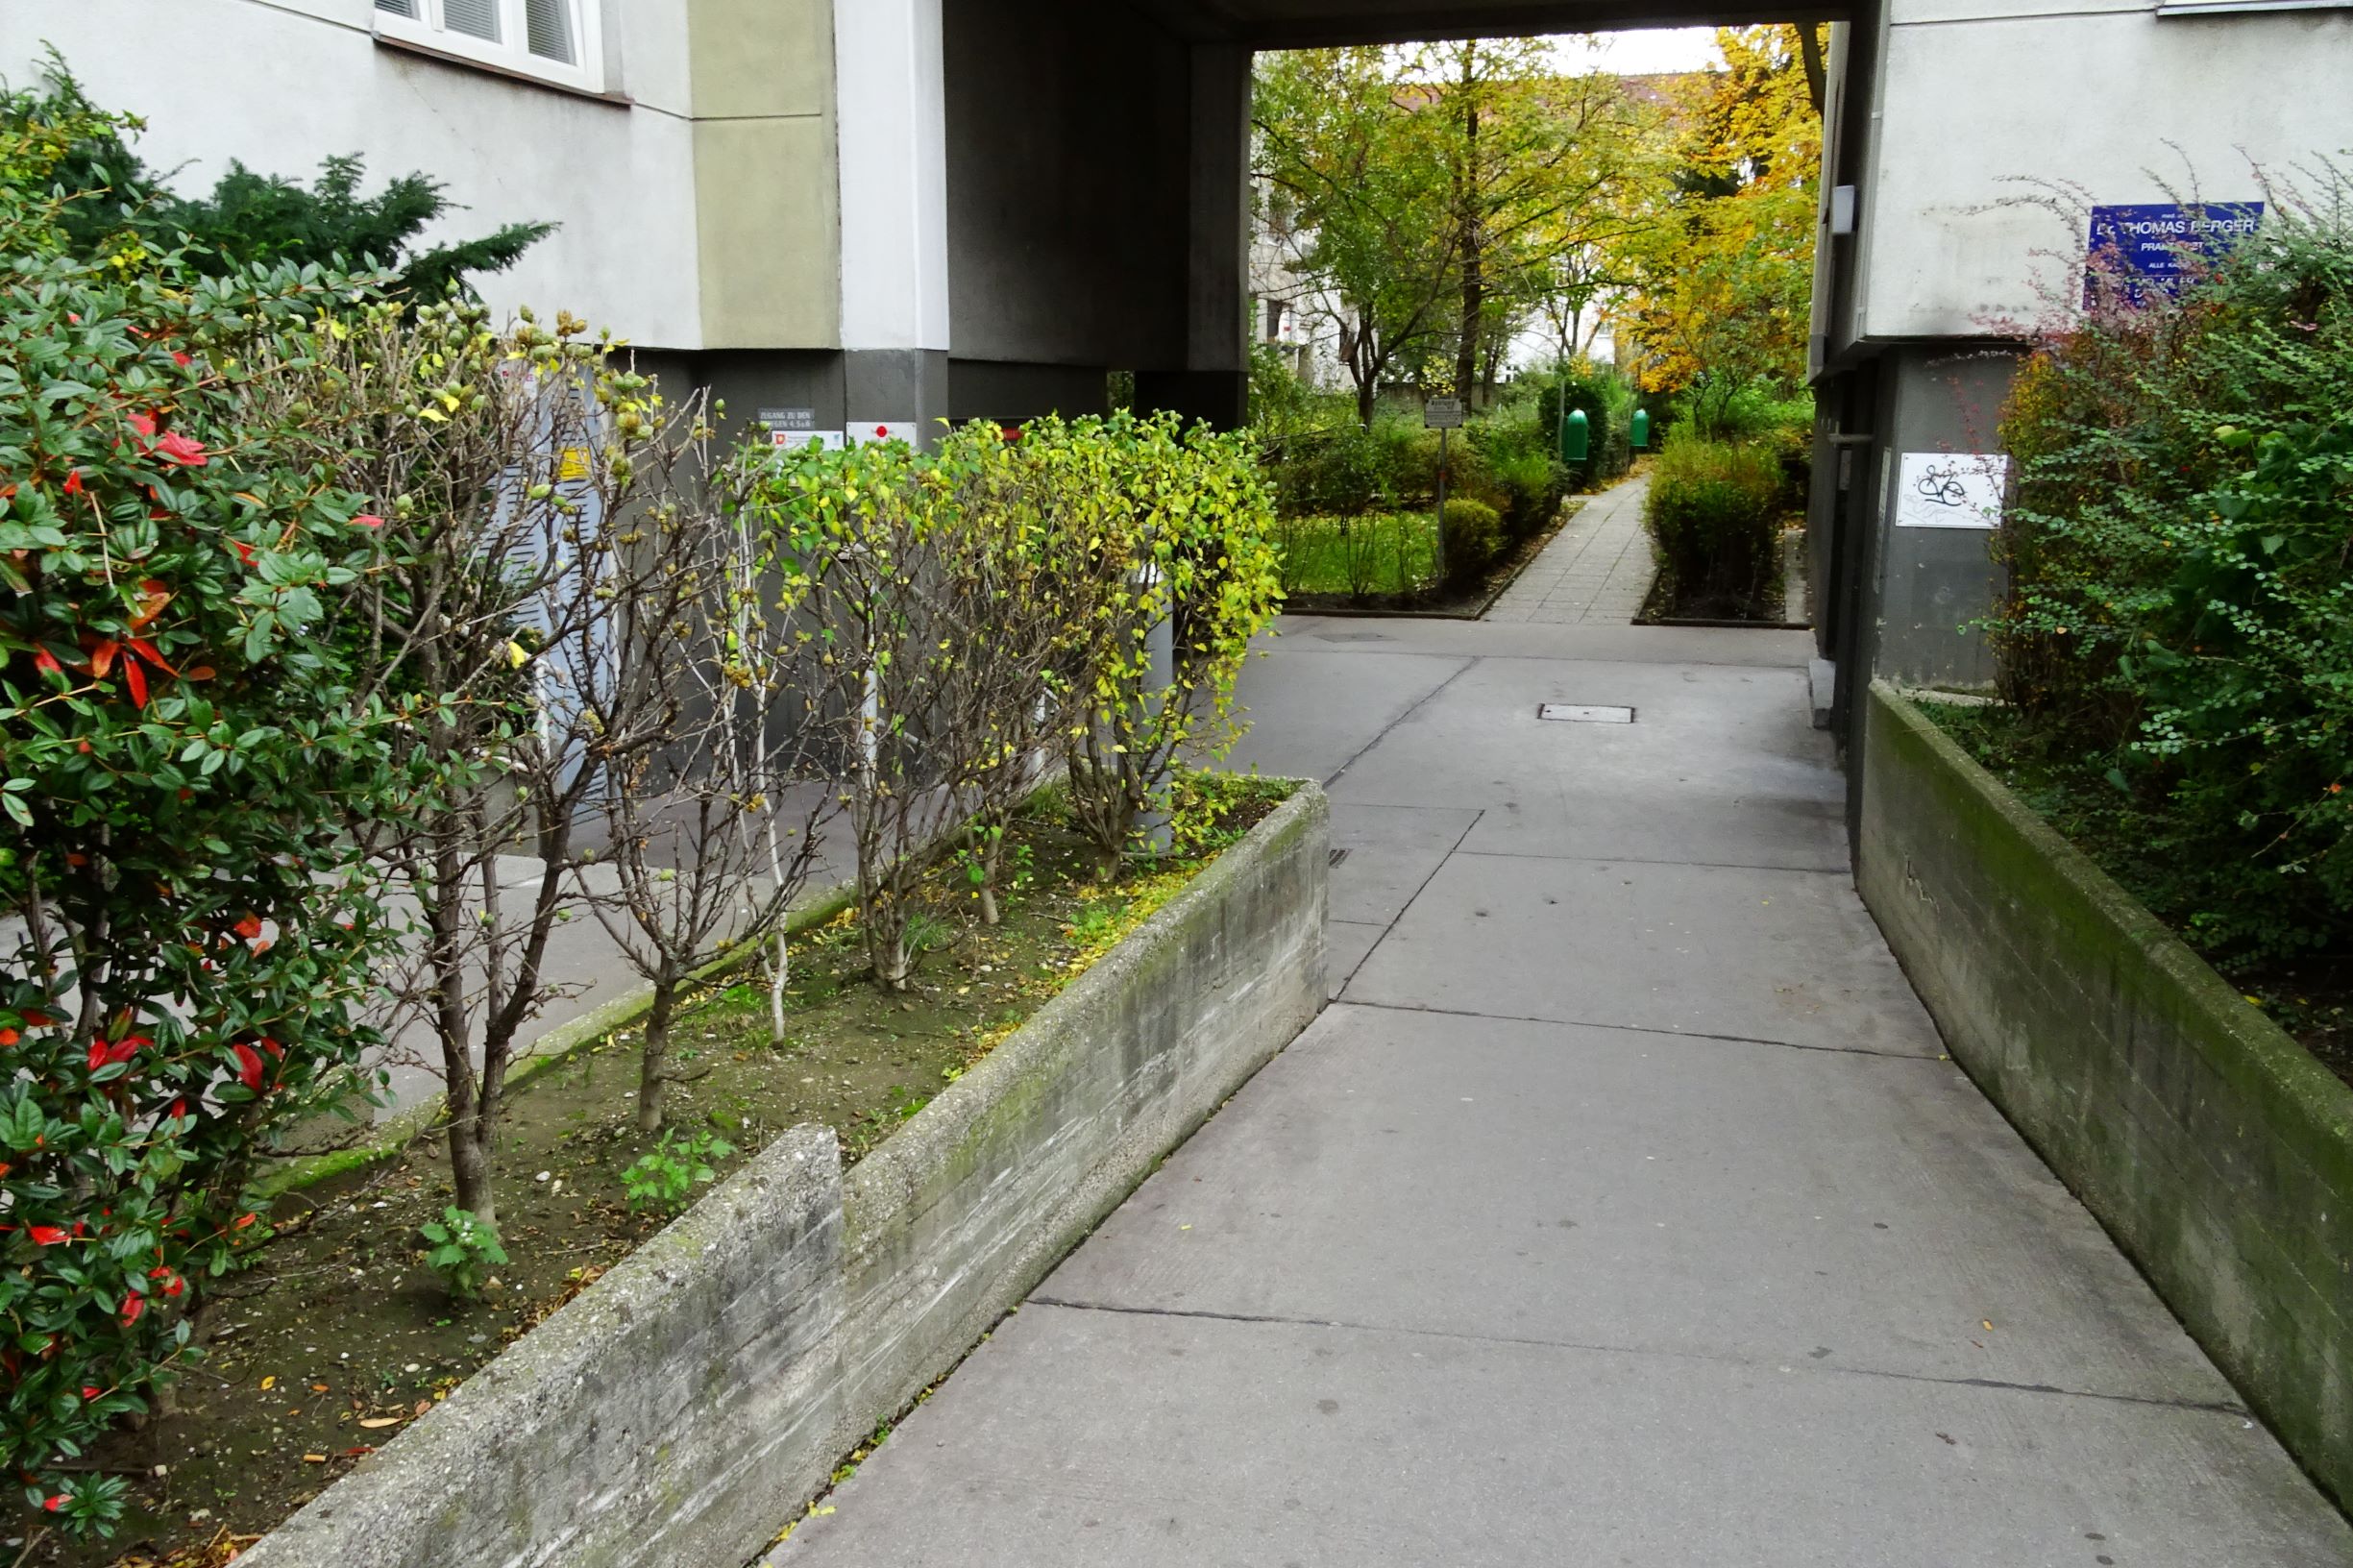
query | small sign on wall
[866, 432]
[1951, 490]
[2152, 246]
[792, 429]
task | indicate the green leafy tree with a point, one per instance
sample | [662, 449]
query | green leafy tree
[1435, 193]
[1359, 185]
[1539, 166]
[124, 209]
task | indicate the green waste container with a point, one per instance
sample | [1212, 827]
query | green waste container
[1576, 437]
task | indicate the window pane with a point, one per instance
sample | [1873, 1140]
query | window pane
[399, 8]
[476, 18]
[550, 24]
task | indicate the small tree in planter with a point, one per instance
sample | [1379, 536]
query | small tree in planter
[1009, 558]
[740, 784]
[858, 528]
[1195, 529]
[188, 731]
[510, 473]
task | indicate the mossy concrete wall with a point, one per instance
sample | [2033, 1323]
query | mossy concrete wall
[2213, 1147]
[689, 1402]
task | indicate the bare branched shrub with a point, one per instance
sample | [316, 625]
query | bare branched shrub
[712, 832]
[508, 470]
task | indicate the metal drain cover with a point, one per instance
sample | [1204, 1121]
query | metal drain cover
[1577, 713]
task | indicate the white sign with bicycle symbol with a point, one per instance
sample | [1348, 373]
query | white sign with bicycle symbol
[1951, 490]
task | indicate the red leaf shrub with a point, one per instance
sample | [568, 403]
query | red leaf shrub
[185, 742]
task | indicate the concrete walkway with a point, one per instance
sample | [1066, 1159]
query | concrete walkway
[1597, 570]
[1623, 1210]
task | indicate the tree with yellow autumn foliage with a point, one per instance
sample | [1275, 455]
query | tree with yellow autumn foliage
[1723, 279]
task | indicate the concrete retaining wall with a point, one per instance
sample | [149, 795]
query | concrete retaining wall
[2213, 1147]
[681, 1409]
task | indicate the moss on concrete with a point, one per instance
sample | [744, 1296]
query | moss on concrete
[2214, 1148]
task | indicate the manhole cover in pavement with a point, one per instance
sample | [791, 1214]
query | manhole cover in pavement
[1579, 713]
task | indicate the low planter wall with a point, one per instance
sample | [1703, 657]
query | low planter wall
[684, 1406]
[2214, 1148]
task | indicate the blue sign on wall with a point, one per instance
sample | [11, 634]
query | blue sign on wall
[2153, 246]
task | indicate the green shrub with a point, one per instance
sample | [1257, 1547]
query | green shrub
[192, 933]
[1713, 511]
[663, 1178]
[2179, 602]
[1474, 540]
[463, 1249]
[1518, 468]
[253, 219]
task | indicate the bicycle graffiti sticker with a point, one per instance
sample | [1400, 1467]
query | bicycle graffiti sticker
[1951, 490]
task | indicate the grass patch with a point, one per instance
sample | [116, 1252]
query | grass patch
[1377, 553]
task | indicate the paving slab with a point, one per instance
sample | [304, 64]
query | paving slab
[1383, 855]
[1614, 1189]
[1324, 705]
[1347, 944]
[1720, 765]
[1743, 647]
[1151, 1441]
[1785, 956]
[1623, 1211]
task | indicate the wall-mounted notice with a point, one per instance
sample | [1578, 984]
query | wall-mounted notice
[2155, 245]
[1951, 490]
[797, 427]
[866, 432]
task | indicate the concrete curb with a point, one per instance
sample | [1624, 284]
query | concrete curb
[2215, 1149]
[687, 1403]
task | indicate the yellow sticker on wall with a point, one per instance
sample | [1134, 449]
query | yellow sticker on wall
[572, 466]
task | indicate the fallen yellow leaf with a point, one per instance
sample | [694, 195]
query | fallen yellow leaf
[379, 1423]
[268, 1383]
[315, 1459]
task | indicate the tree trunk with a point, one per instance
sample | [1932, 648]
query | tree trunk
[470, 1137]
[1474, 243]
[1809, 51]
[1365, 371]
[469, 1152]
[776, 985]
[653, 1064]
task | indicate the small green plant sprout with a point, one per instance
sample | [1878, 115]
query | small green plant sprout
[464, 1248]
[665, 1177]
[927, 933]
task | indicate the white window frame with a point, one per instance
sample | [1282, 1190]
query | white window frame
[511, 54]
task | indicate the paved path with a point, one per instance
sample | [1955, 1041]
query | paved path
[1597, 570]
[1623, 1210]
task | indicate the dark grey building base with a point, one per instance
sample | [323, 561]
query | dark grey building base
[1221, 397]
